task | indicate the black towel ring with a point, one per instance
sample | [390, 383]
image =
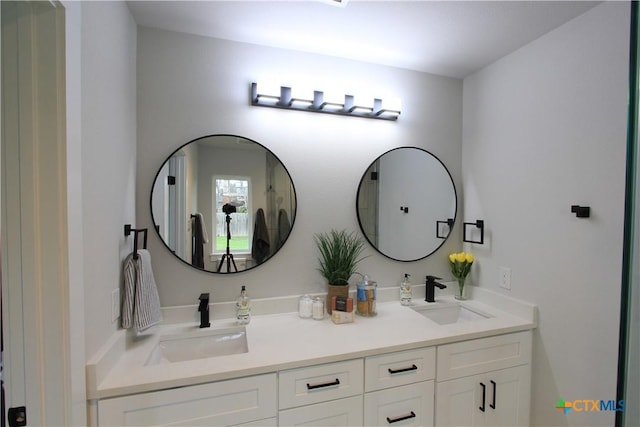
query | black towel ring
[136, 231]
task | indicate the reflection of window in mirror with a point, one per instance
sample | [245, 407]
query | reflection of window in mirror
[234, 191]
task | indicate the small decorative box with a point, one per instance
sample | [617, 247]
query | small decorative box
[342, 310]
[338, 317]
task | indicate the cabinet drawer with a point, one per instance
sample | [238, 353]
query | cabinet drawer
[482, 355]
[320, 383]
[344, 412]
[409, 405]
[400, 368]
[220, 403]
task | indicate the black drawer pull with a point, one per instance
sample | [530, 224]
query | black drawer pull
[493, 405]
[402, 418]
[484, 396]
[312, 387]
[397, 371]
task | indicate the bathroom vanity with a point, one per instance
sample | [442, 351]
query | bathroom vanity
[443, 364]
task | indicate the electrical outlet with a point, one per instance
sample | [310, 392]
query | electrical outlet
[504, 277]
[115, 304]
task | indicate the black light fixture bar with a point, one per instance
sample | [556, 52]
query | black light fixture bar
[284, 100]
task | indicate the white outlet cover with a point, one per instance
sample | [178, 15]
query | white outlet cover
[504, 277]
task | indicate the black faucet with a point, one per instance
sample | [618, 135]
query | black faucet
[204, 310]
[431, 285]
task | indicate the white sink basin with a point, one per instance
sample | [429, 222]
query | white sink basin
[448, 313]
[199, 345]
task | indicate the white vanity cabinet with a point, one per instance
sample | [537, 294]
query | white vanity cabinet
[400, 388]
[327, 395]
[423, 377]
[243, 401]
[484, 382]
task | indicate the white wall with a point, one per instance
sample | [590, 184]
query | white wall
[545, 128]
[190, 86]
[108, 157]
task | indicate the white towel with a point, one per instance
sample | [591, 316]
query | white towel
[140, 303]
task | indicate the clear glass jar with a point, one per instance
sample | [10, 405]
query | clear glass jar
[318, 308]
[366, 297]
[305, 307]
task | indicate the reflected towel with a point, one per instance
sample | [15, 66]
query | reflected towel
[197, 241]
[203, 225]
[260, 247]
[141, 303]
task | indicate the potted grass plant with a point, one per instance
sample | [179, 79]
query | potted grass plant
[340, 253]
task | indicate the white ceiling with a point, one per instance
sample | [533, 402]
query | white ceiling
[451, 38]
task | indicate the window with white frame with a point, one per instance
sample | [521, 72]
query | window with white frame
[234, 193]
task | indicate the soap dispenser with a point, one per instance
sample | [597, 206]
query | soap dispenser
[405, 290]
[243, 307]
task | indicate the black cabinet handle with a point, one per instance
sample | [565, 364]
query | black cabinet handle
[312, 387]
[397, 371]
[493, 405]
[484, 395]
[402, 418]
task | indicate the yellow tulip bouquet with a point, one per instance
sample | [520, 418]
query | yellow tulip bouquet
[460, 266]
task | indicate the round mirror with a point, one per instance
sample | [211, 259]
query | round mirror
[406, 203]
[223, 203]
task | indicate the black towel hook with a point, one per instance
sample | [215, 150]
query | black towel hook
[127, 232]
[581, 211]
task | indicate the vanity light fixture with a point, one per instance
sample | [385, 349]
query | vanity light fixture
[298, 99]
[360, 107]
[348, 105]
[390, 107]
[270, 95]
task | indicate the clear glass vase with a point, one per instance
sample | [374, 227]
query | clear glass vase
[460, 292]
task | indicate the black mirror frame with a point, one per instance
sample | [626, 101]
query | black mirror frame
[155, 226]
[450, 221]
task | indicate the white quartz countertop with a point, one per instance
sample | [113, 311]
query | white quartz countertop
[284, 341]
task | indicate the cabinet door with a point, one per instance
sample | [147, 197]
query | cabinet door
[220, 403]
[510, 407]
[336, 413]
[498, 398]
[409, 405]
[458, 402]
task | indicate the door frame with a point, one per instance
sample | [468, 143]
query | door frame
[37, 320]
